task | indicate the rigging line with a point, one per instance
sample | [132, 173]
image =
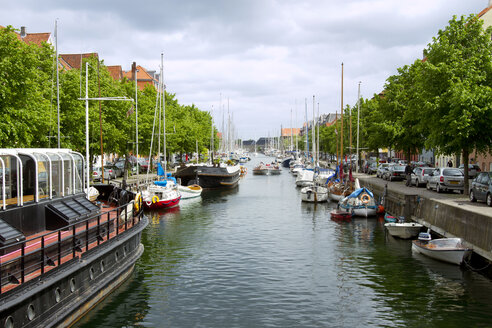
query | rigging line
[153, 131]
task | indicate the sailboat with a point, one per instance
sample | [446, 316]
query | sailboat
[339, 190]
[314, 193]
[164, 192]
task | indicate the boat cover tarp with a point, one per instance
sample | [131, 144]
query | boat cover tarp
[161, 183]
[160, 170]
[357, 192]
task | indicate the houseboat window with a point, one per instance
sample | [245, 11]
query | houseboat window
[67, 173]
[79, 173]
[10, 176]
[56, 174]
[43, 176]
[28, 178]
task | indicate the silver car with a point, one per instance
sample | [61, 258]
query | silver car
[383, 167]
[394, 172]
[446, 178]
[473, 170]
[420, 176]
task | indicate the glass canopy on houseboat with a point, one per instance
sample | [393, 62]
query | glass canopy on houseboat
[35, 174]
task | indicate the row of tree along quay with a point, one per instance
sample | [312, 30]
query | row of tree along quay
[442, 102]
[28, 106]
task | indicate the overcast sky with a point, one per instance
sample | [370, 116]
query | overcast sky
[263, 55]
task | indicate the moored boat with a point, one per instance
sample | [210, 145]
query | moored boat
[314, 194]
[161, 194]
[60, 253]
[361, 202]
[450, 250]
[190, 191]
[209, 176]
[340, 215]
[403, 230]
[273, 169]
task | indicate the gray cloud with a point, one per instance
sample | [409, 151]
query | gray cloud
[262, 54]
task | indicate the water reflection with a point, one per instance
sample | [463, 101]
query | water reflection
[125, 307]
[256, 256]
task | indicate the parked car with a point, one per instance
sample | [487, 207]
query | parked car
[481, 188]
[121, 165]
[143, 165]
[97, 175]
[114, 171]
[383, 167]
[473, 170]
[394, 172]
[420, 176]
[372, 168]
[446, 178]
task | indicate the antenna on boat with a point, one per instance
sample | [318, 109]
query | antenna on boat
[58, 84]
[86, 99]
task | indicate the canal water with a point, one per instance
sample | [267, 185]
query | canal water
[256, 256]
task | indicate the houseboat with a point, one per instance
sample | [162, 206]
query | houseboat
[60, 253]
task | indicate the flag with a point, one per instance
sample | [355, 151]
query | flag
[129, 112]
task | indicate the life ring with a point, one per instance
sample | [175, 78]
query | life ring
[155, 199]
[365, 198]
[138, 202]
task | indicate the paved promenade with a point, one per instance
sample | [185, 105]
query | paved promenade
[450, 198]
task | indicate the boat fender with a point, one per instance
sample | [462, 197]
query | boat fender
[365, 198]
[138, 202]
[155, 199]
[309, 192]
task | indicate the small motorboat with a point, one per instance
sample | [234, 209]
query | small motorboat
[392, 219]
[450, 250]
[340, 215]
[190, 191]
[260, 169]
[314, 194]
[403, 230]
[273, 169]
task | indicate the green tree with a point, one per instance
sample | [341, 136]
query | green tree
[25, 91]
[456, 82]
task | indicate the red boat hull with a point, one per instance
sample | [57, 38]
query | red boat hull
[340, 215]
[162, 204]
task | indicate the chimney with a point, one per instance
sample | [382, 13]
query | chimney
[134, 68]
[23, 31]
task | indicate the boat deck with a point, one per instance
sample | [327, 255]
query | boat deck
[47, 250]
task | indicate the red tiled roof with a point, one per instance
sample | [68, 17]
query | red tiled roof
[37, 38]
[286, 132]
[70, 61]
[143, 77]
[483, 12]
[116, 72]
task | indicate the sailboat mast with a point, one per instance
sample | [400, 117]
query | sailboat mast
[336, 133]
[341, 132]
[307, 128]
[317, 141]
[163, 95]
[358, 119]
[314, 135]
[291, 136]
[136, 119]
[212, 136]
